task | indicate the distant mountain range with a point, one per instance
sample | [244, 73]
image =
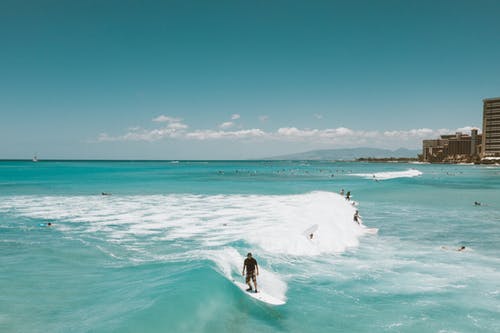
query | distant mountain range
[349, 154]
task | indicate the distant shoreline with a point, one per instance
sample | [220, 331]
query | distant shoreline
[360, 159]
[388, 159]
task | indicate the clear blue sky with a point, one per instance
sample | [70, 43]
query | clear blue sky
[240, 79]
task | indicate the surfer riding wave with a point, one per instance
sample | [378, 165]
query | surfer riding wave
[252, 268]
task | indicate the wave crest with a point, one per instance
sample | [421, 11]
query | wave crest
[410, 173]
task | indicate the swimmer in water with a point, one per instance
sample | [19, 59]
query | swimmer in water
[460, 249]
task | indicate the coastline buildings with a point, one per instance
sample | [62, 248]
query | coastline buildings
[451, 148]
[491, 128]
[458, 147]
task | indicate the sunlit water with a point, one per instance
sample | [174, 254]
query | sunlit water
[159, 253]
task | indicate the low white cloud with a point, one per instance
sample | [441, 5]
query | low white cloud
[177, 126]
[342, 131]
[174, 128]
[210, 134]
[226, 125]
[163, 119]
[143, 135]
[466, 129]
[424, 133]
[104, 137]
[421, 132]
[294, 132]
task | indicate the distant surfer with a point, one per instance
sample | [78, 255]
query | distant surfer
[460, 249]
[309, 232]
[476, 203]
[348, 196]
[252, 268]
[342, 192]
[45, 224]
[105, 193]
[356, 217]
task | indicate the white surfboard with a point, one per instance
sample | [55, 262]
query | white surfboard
[371, 230]
[261, 295]
[311, 230]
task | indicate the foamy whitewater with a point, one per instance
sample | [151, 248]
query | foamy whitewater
[389, 174]
[160, 252]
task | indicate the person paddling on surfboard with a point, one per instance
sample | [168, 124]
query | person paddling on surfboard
[250, 264]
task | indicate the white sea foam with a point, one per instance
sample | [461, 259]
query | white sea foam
[410, 173]
[204, 227]
[274, 224]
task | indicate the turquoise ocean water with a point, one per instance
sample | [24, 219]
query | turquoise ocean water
[159, 253]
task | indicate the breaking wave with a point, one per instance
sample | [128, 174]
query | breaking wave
[410, 173]
[220, 228]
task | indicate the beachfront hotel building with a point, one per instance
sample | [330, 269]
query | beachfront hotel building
[477, 148]
[491, 128]
[456, 147]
